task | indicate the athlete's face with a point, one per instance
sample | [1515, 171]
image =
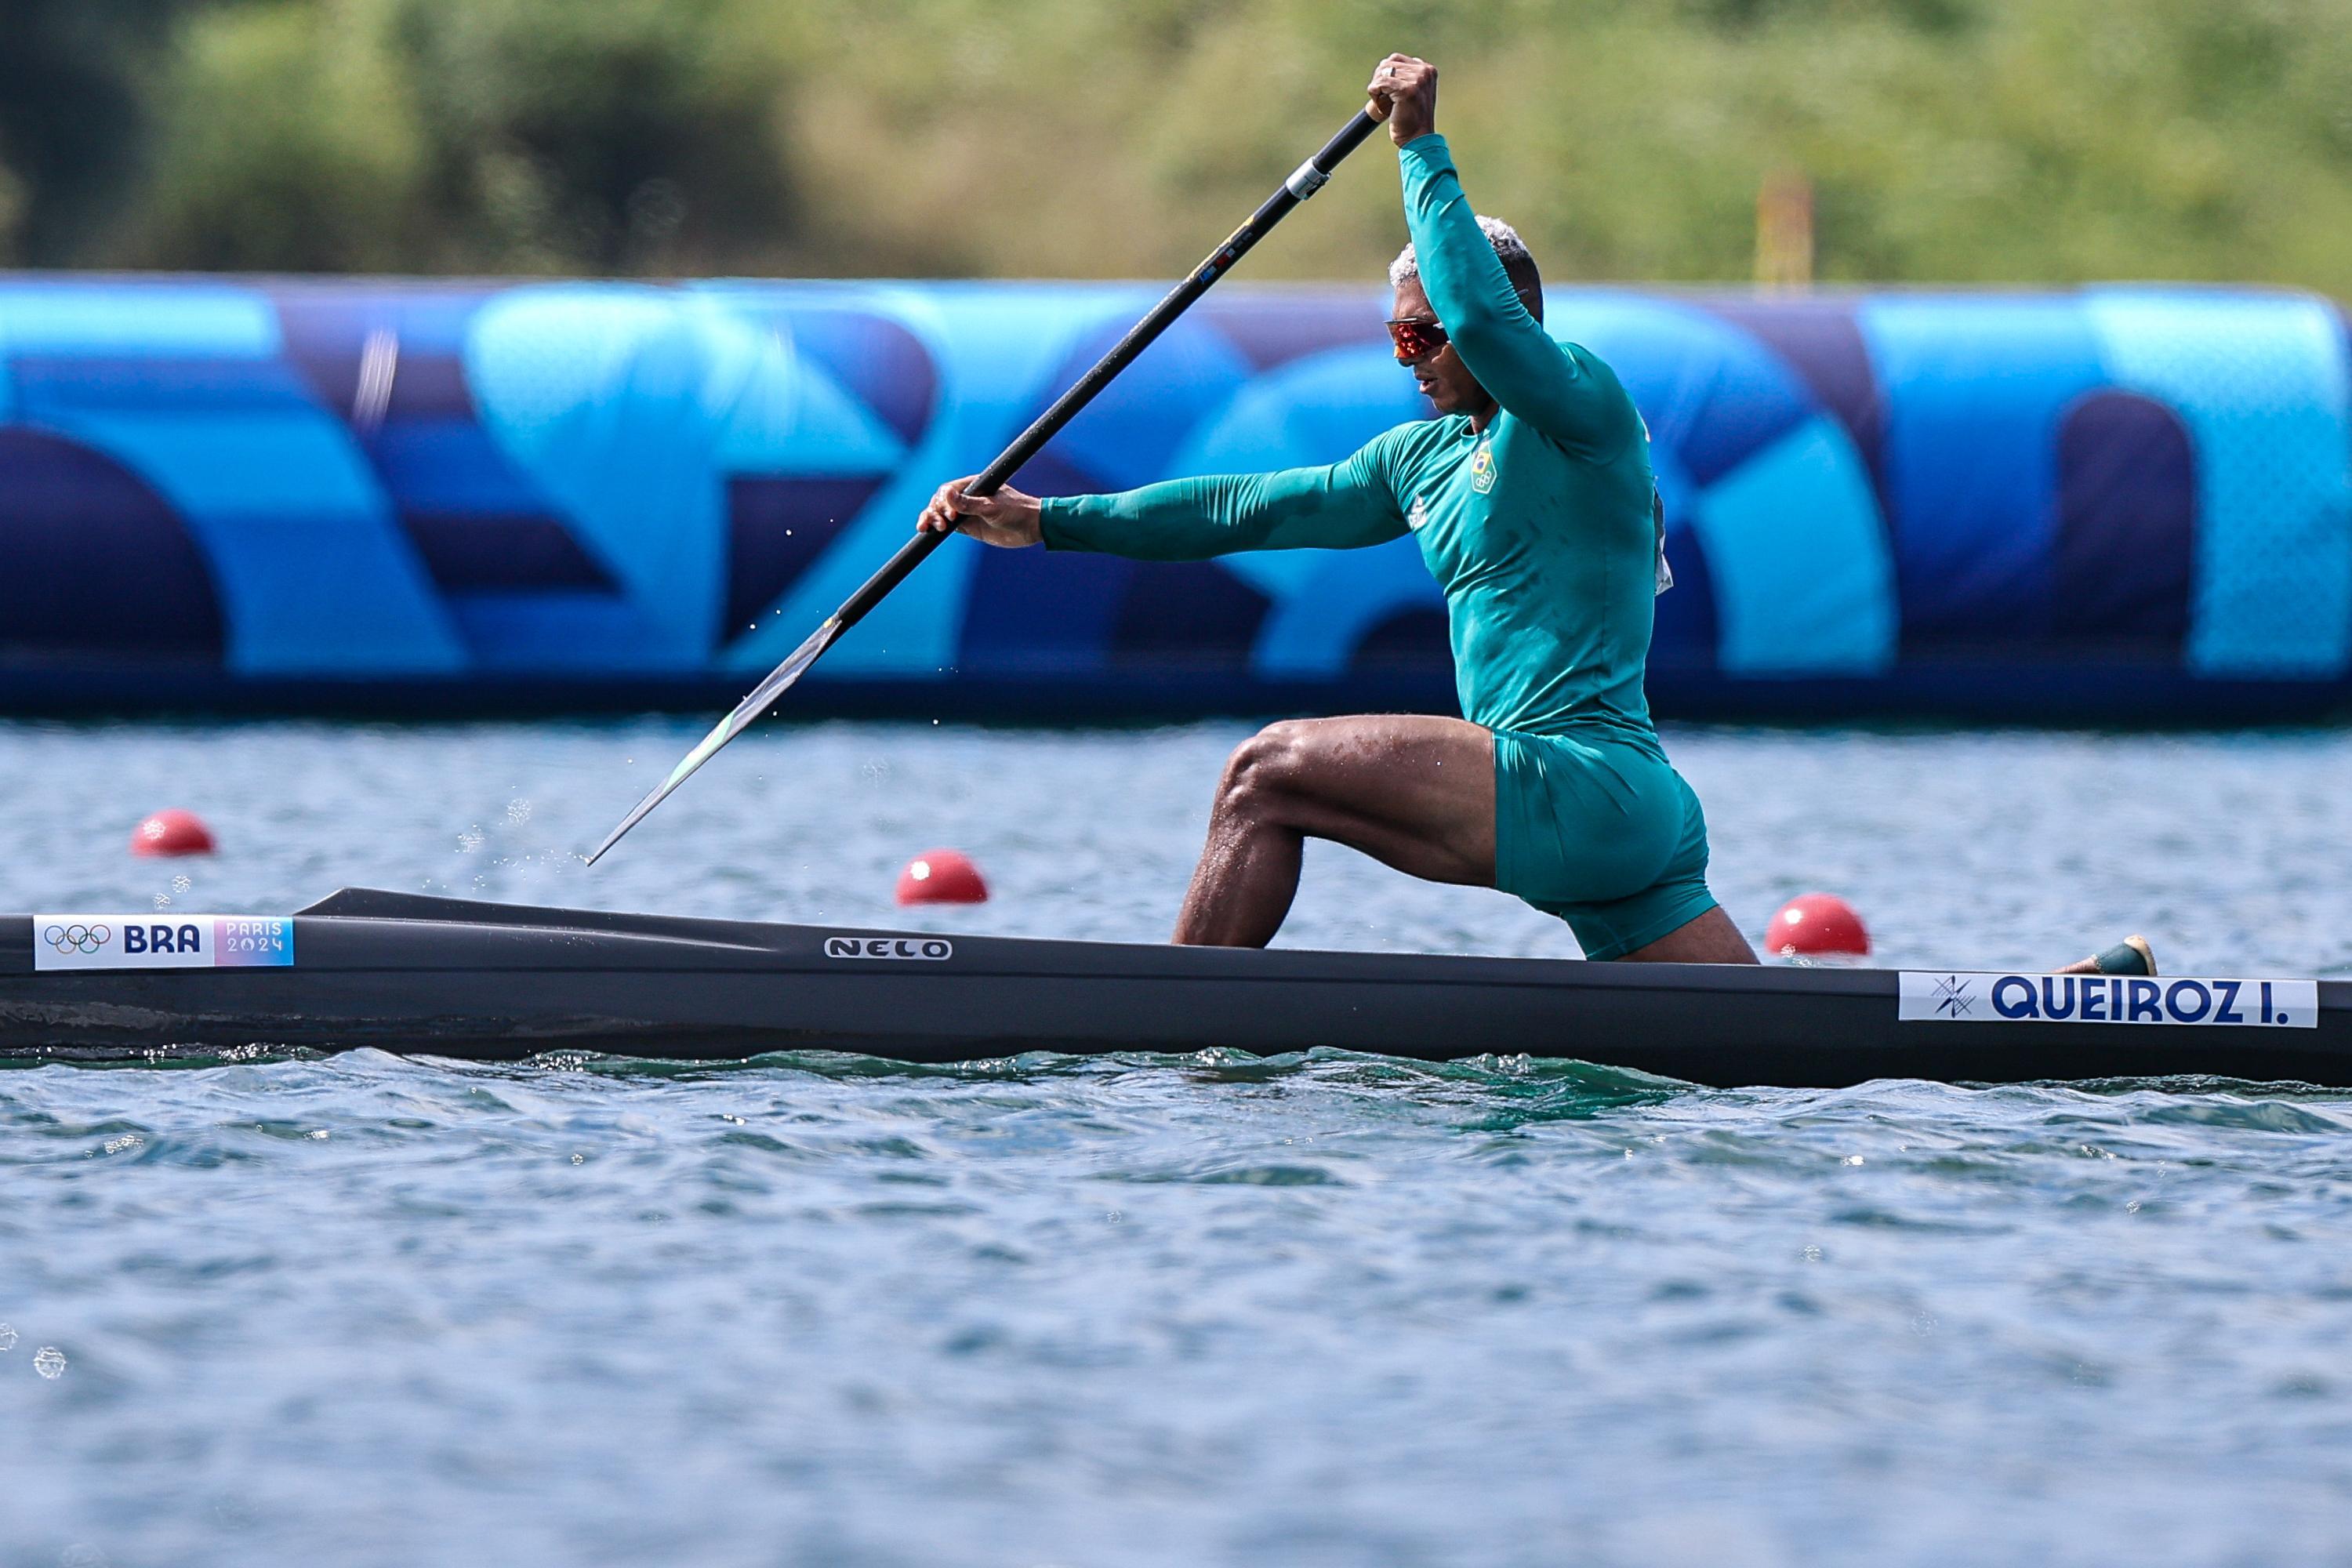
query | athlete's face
[1442, 376]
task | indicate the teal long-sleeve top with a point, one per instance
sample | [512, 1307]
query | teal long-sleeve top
[1540, 528]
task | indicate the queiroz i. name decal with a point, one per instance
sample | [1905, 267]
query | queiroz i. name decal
[157, 941]
[1932, 997]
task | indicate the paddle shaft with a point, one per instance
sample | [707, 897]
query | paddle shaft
[1309, 179]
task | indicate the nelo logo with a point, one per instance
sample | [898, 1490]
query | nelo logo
[930, 947]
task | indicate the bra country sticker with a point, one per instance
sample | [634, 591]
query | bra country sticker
[1931, 996]
[163, 941]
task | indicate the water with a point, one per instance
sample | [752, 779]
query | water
[1172, 1310]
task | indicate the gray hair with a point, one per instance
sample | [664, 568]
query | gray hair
[1509, 248]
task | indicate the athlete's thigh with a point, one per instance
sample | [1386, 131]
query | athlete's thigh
[1413, 790]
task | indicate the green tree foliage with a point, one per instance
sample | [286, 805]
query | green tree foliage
[623, 135]
[12, 207]
[317, 167]
[491, 135]
[75, 79]
[1968, 141]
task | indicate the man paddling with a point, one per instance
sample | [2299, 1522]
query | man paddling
[1532, 498]
[1533, 503]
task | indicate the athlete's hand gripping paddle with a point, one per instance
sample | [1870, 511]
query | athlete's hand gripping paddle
[1309, 178]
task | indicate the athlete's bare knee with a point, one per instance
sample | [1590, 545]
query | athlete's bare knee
[1258, 775]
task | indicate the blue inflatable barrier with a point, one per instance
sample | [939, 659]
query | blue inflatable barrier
[2117, 503]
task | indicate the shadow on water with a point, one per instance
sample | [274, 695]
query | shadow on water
[1487, 1095]
[1531, 1089]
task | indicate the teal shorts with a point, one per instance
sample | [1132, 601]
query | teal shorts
[1602, 833]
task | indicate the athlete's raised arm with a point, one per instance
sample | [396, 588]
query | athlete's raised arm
[1559, 389]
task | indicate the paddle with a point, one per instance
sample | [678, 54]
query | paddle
[1310, 177]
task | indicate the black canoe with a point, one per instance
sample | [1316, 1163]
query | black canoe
[448, 978]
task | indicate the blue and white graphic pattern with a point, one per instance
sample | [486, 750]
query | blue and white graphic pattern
[2124, 499]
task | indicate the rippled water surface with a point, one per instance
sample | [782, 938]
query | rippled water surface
[818, 1309]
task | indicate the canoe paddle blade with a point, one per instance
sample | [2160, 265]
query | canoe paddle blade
[747, 713]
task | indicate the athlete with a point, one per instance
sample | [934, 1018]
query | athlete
[1532, 500]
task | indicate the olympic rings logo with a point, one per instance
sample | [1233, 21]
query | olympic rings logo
[78, 938]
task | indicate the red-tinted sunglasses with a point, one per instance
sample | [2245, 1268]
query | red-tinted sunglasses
[1415, 338]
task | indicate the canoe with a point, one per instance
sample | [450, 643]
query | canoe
[451, 977]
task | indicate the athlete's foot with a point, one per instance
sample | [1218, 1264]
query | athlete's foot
[2130, 956]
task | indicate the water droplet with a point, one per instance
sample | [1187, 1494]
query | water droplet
[7, 1338]
[471, 840]
[579, 1159]
[1853, 1159]
[49, 1362]
[128, 1141]
[518, 811]
[321, 1134]
[181, 884]
[163, 900]
[1811, 1254]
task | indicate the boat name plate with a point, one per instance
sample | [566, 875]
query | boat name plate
[1933, 996]
[162, 941]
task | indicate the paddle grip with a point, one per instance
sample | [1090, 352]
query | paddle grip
[1302, 184]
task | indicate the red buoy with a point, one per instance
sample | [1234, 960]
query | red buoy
[172, 832]
[1814, 923]
[941, 876]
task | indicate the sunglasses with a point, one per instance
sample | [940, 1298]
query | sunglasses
[1415, 338]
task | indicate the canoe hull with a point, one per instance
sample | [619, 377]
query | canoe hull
[451, 978]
